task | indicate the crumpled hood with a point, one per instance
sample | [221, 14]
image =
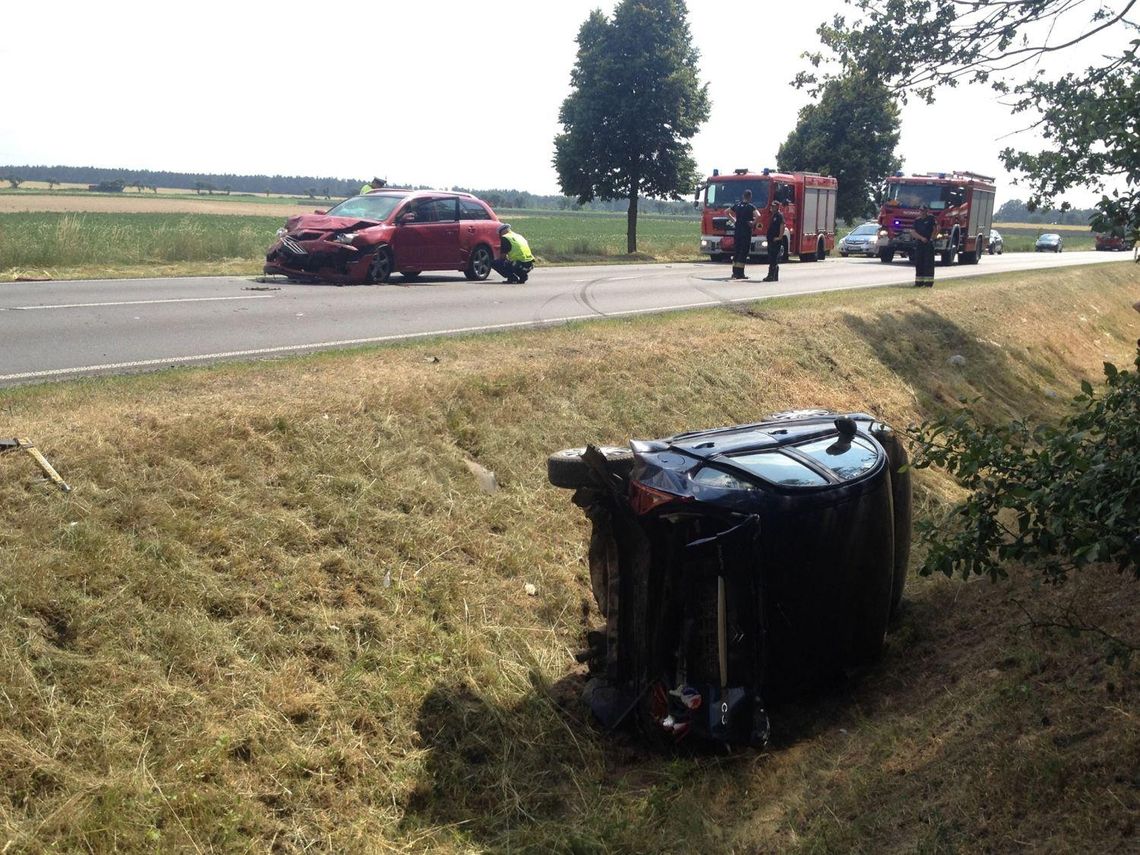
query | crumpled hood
[324, 223]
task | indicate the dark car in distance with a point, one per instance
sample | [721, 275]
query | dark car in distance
[734, 563]
[363, 240]
[1050, 242]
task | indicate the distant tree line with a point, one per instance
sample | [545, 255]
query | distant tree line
[1017, 211]
[140, 180]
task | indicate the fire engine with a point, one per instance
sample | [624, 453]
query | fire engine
[807, 201]
[962, 204]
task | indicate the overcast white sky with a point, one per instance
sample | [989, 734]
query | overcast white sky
[438, 92]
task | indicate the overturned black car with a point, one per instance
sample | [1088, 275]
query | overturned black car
[735, 562]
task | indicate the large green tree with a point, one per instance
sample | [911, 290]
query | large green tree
[1089, 119]
[851, 132]
[635, 104]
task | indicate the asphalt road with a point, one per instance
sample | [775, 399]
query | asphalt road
[62, 330]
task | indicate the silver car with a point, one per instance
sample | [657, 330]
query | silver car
[862, 241]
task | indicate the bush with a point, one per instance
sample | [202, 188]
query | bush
[1054, 497]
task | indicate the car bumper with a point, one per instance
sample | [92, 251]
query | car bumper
[318, 260]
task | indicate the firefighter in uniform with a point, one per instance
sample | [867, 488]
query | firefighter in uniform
[775, 237]
[923, 231]
[744, 215]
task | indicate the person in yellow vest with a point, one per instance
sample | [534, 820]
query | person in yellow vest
[515, 261]
[374, 184]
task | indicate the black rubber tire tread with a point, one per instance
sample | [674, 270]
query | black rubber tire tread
[568, 470]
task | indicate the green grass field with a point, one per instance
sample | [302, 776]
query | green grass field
[98, 245]
[65, 242]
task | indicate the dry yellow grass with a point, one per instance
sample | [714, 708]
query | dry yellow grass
[278, 613]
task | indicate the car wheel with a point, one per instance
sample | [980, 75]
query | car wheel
[479, 265]
[567, 469]
[717, 257]
[410, 274]
[381, 267]
[886, 255]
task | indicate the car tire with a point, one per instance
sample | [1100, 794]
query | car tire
[886, 255]
[410, 275]
[479, 264]
[717, 257]
[381, 267]
[568, 470]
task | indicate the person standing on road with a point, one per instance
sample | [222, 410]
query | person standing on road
[744, 215]
[374, 184]
[923, 231]
[775, 237]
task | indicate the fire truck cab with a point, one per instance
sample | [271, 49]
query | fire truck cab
[962, 204]
[807, 201]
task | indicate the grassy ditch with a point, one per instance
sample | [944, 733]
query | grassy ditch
[279, 613]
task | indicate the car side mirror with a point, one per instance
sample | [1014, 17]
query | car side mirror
[409, 217]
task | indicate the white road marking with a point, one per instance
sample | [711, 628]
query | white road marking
[135, 302]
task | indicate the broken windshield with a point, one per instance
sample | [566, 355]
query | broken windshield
[373, 207]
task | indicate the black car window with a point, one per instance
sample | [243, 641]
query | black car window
[847, 460]
[779, 469]
[446, 210]
[469, 209]
[424, 209]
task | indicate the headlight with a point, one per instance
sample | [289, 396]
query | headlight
[281, 232]
[344, 237]
[882, 232]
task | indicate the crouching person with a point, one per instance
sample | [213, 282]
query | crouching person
[515, 261]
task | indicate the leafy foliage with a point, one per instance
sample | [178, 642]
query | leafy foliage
[635, 104]
[851, 132]
[1090, 119]
[1057, 497]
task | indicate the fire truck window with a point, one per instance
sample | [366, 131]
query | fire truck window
[784, 194]
[725, 194]
[953, 196]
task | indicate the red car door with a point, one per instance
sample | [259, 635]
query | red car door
[427, 235]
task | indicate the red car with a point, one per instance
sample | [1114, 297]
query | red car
[366, 238]
[1112, 243]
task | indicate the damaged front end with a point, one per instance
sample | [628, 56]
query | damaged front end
[331, 250]
[735, 562]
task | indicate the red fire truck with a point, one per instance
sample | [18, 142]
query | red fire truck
[961, 202]
[807, 201]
